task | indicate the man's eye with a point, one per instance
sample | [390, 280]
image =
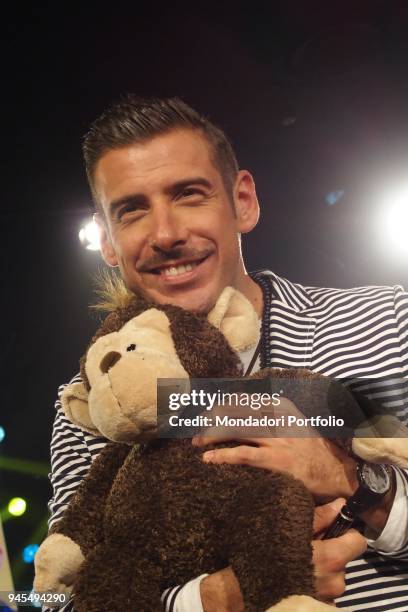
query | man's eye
[190, 191]
[128, 209]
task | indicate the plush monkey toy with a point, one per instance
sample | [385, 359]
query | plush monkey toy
[150, 514]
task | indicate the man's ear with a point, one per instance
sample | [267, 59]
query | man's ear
[74, 400]
[246, 202]
[236, 318]
[107, 250]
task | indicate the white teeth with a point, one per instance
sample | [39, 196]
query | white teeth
[176, 270]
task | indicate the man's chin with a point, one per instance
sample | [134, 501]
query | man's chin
[195, 300]
[196, 304]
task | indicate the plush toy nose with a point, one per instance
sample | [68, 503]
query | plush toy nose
[109, 361]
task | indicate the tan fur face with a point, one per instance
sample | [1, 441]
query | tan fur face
[122, 368]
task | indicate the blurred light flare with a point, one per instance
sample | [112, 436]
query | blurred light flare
[334, 196]
[2, 433]
[29, 553]
[89, 236]
[17, 506]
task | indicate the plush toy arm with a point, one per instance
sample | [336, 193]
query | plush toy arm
[83, 519]
[60, 556]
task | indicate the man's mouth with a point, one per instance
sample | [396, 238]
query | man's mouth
[180, 269]
[176, 269]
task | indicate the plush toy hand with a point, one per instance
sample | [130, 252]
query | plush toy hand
[56, 565]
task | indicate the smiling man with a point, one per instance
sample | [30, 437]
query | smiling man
[172, 222]
[171, 206]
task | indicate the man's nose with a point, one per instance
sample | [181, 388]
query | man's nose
[167, 229]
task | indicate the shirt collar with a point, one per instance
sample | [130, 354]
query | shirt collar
[293, 295]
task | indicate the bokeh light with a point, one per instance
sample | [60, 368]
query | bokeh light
[17, 506]
[29, 553]
[334, 196]
[2, 433]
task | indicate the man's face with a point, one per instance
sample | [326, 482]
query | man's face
[169, 224]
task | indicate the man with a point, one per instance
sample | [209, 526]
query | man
[171, 207]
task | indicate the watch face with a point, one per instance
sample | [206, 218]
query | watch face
[376, 477]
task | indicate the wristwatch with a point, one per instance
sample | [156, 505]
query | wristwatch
[375, 480]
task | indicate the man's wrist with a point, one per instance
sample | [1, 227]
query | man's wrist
[220, 592]
[376, 517]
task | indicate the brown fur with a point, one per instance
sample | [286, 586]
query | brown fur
[169, 517]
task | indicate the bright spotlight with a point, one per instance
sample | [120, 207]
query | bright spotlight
[89, 236]
[17, 506]
[396, 219]
[2, 433]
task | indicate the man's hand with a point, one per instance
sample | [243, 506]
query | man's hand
[325, 469]
[220, 592]
[331, 556]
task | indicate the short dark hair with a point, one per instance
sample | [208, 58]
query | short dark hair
[134, 119]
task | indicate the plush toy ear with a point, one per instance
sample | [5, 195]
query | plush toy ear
[74, 401]
[236, 318]
[152, 318]
[389, 443]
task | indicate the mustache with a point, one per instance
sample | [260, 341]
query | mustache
[173, 255]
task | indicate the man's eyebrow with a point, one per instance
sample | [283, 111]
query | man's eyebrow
[178, 186]
[138, 199]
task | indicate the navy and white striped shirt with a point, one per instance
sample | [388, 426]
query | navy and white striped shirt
[344, 333]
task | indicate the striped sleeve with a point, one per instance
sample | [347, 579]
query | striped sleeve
[72, 452]
[401, 314]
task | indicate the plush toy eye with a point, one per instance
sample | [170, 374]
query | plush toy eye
[131, 347]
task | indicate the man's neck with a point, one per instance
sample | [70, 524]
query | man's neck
[254, 294]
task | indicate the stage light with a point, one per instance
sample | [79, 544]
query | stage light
[89, 236]
[396, 219]
[29, 553]
[17, 506]
[2, 433]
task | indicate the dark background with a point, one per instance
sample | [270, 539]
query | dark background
[314, 96]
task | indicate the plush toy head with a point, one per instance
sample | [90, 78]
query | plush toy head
[141, 342]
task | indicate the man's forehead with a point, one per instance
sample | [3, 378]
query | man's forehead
[177, 151]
